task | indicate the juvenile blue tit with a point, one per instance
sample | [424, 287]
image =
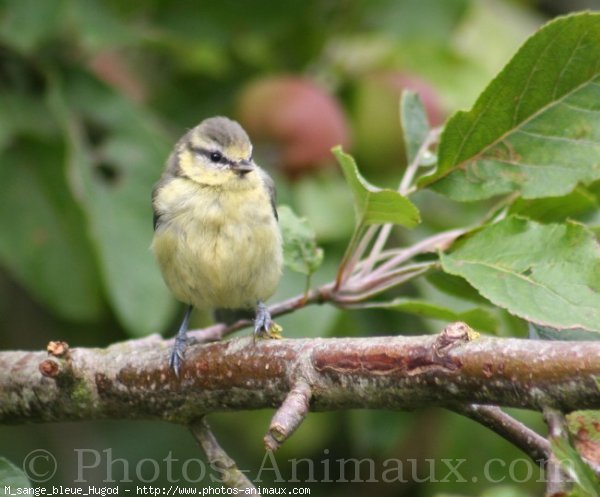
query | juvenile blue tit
[216, 235]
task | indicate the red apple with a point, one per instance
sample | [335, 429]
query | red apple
[296, 116]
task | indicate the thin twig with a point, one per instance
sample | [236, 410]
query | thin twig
[323, 294]
[383, 256]
[343, 269]
[374, 281]
[216, 332]
[439, 241]
[380, 242]
[347, 301]
[362, 247]
[411, 169]
[494, 418]
[230, 474]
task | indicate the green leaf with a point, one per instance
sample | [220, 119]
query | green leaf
[98, 27]
[321, 197]
[414, 123]
[375, 205]
[546, 274]
[455, 286]
[427, 21]
[23, 114]
[586, 482]
[553, 209]
[47, 249]
[11, 475]
[116, 154]
[477, 318]
[536, 128]
[300, 250]
[549, 333]
[26, 24]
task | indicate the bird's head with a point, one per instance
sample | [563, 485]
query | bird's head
[216, 152]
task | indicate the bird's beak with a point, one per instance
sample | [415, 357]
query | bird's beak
[242, 167]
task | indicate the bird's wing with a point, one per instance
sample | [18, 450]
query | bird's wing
[171, 171]
[270, 186]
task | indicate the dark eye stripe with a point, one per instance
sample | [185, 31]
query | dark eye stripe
[209, 154]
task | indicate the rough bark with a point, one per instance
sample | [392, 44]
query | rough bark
[131, 380]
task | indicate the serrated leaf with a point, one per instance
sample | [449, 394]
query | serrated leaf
[300, 250]
[12, 476]
[415, 126]
[47, 250]
[116, 199]
[375, 205]
[546, 274]
[477, 318]
[536, 128]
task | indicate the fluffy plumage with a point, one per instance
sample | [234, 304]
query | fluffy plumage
[216, 240]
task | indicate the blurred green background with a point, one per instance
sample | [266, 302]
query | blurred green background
[94, 93]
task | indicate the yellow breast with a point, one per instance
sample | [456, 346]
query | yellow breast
[218, 247]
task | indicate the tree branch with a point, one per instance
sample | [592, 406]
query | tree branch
[289, 416]
[132, 380]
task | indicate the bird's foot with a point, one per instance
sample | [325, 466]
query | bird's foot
[181, 341]
[177, 354]
[264, 326]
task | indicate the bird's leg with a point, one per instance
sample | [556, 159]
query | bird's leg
[263, 321]
[264, 326]
[178, 350]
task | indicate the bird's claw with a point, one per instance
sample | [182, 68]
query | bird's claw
[177, 354]
[262, 323]
[264, 326]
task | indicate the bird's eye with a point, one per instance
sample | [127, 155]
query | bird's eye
[215, 157]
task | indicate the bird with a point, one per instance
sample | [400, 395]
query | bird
[216, 238]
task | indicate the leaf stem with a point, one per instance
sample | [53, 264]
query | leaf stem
[411, 169]
[436, 242]
[384, 283]
[403, 189]
[345, 269]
